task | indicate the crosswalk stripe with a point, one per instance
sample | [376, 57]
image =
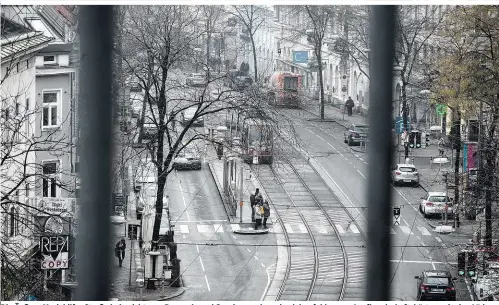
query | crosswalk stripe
[184, 229]
[302, 227]
[202, 228]
[288, 228]
[235, 227]
[340, 229]
[218, 227]
[322, 230]
[424, 231]
[406, 230]
[354, 229]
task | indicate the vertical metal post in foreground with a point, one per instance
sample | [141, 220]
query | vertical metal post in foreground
[380, 154]
[95, 111]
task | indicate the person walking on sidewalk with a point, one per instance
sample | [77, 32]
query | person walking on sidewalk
[253, 202]
[266, 213]
[119, 251]
[349, 104]
[258, 215]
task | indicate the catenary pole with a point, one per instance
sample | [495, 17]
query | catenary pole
[95, 111]
[380, 154]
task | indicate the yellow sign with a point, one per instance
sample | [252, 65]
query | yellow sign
[241, 203]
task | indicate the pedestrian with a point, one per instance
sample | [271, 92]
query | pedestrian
[349, 104]
[258, 198]
[266, 213]
[220, 151]
[252, 202]
[258, 215]
[119, 251]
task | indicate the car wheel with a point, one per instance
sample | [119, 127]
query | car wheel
[345, 139]
[350, 142]
[424, 214]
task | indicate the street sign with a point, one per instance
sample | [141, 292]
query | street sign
[396, 215]
[132, 231]
[441, 109]
[300, 57]
[399, 125]
[55, 252]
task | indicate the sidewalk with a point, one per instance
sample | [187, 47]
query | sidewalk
[216, 169]
[121, 276]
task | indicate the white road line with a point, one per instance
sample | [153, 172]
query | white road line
[201, 261]
[288, 228]
[262, 265]
[424, 231]
[197, 248]
[406, 223]
[340, 229]
[303, 228]
[202, 228]
[256, 257]
[424, 245]
[268, 282]
[433, 265]
[183, 198]
[240, 242]
[207, 284]
[248, 250]
[361, 174]
[184, 229]
[218, 228]
[438, 239]
[406, 230]
[354, 229]
[233, 236]
[235, 227]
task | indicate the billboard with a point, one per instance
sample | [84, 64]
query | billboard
[300, 57]
[470, 156]
[55, 252]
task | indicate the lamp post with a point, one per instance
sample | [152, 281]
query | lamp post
[197, 51]
[426, 93]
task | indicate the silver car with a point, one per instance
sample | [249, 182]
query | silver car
[405, 174]
[436, 203]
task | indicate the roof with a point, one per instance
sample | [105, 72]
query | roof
[20, 45]
[58, 48]
[10, 28]
[437, 193]
[406, 165]
[436, 273]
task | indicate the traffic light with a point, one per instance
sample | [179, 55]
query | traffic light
[412, 135]
[418, 139]
[461, 263]
[472, 263]
[426, 136]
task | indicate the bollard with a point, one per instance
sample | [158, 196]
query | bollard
[173, 251]
[175, 272]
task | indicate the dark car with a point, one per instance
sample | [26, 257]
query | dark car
[356, 134]
[436, 285]
[188, 161]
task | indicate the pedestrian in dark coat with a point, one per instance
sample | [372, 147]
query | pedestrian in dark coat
[119, 251]
[266, 213]
[349, 104]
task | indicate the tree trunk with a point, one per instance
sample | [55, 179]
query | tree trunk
[457, 163]
[405, 111]
[254, 55]
[321, 80]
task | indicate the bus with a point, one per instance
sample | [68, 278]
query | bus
[285, 89]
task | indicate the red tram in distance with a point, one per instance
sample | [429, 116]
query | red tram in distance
[285, 89]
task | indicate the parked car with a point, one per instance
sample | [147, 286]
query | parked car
[436, 285]
[188, 115]
[241, 82]
[187, 161]
[355, 134]
[435, 203]
[405, 173]
[196, 80]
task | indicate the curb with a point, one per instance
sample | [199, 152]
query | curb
[251, 232]
[219, 189]
[174, 295]
[325, 118]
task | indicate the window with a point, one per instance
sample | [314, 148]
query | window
[17, 108]
[50, 179]
[13, 229]
[49, 59]
[50, 108]
[27, 189]
[27, 104]
[7, 114]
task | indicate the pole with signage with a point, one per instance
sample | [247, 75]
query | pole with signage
[241, 203]
[132, 235]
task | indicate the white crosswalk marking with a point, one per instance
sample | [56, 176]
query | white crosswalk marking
[288, 228]
[235, 227]
[303, 228]
[340, 229]
[322, 230]
[354, 229]
[202, 228]
[424, 231]
[406, 230]
[218, 227]
[184, 229]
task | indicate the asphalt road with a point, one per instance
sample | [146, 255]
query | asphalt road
[415, 246]
[236, 270]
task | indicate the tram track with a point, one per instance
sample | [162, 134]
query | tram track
[319, 265]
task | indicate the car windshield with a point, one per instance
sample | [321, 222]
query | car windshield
[407, 169]
[438, 199]
[437, 281]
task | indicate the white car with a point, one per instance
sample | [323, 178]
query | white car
[405, 173]
[188, 115]
[435, 203]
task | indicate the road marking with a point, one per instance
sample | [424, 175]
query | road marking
[354, 229]
[256, 257]
[183, 198]
[288, 228]
[302, 227]
[235, 227]
[405, 222]
[424, 245]
[322, 230]
[433, 265]
[438, 239]
[361, 174]
[202, 265]
[233, 236]
[184, 229]
[197, 248]
[202, 228]
[268, 282]
[424, 231]
[248, 250]
[207, 284]
[406, 230]
[240, 242]
[216, 220]
[262, 265]
[340, 229]
[218, 228]
[416, 262]
[392, 231]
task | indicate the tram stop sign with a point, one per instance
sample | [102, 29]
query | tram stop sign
[396, 211]
[441, 109]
